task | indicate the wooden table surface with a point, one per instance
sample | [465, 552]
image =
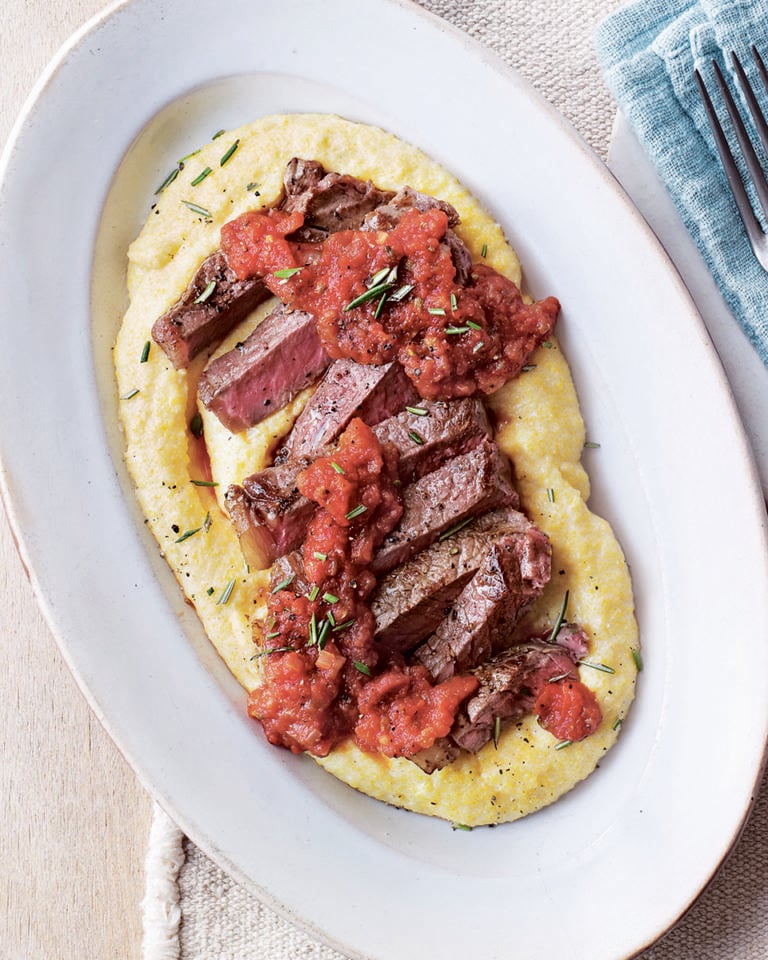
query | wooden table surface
[73, 817]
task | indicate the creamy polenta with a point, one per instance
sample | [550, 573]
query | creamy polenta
[539, 427]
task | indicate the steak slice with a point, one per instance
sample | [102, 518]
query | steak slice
[256, 543]
[411, 601]
[465, 487]
[347, 390]
[512, 573]
[329, 201]
[448, 429]
[509, 686]
[281, 357]
[189, 327]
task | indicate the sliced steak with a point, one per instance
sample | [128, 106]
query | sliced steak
[277, 504]
[488, 607]
[448, 429]
[281, 357]
[347, 390]
[329, 201]
[256, 541]
[288, 572]
[386, 216]
[509, 686]
[189, 327]
[463, 488]
[425, 442]
[411, 601]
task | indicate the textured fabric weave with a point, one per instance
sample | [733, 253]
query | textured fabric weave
[550, 42]
[649, 52]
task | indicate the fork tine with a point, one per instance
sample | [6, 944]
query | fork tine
[749, 94]
[747, 150]
[751, 224]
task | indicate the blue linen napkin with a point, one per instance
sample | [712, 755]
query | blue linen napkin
[648, 52]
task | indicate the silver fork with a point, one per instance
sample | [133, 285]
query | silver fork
[757, 238]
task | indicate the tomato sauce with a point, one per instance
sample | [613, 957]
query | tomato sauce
[324, 677]
[568, 710]
[384, 295]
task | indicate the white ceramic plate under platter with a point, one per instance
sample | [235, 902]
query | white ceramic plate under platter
[603, 872]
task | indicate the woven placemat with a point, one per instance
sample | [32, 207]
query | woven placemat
[195, 911]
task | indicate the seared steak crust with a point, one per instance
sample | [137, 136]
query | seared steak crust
[347, 390]
[486, 610]
[189, 327]
[509, 686]
[411, 601]
[461, 489]
[329, 201]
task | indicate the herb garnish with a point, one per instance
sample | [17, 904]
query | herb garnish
[284, 583]
[637, 658]
[227, 593]
[604, 668]
[145, 352]
[343, 626]
[370, 294]
[484, 251]
[362, 667]
[218, 134]
[286, 272]
[320, 556]
[591, 445]
[330, 598]
[336, 467]
[205, 483]
[473, 325]
[168, 180]
[416, 437]
[559, 622]
[418, 411]
[187, 534]
[196, 208]
[201, 176]
[196, 425]
[496, 731]
[461, 826]
[313, 593]
[356, 511]
[130, 394]
[401, 293]
[563, 744]
[478, 346]
[229, 153]
[454, 529]
[206, 293]
[451, 331]
[268, 650]
[550, 494]
[436, 311]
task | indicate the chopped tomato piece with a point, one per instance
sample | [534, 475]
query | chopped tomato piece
[568, 710]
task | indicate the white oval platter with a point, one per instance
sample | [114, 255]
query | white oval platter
[602, 873]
